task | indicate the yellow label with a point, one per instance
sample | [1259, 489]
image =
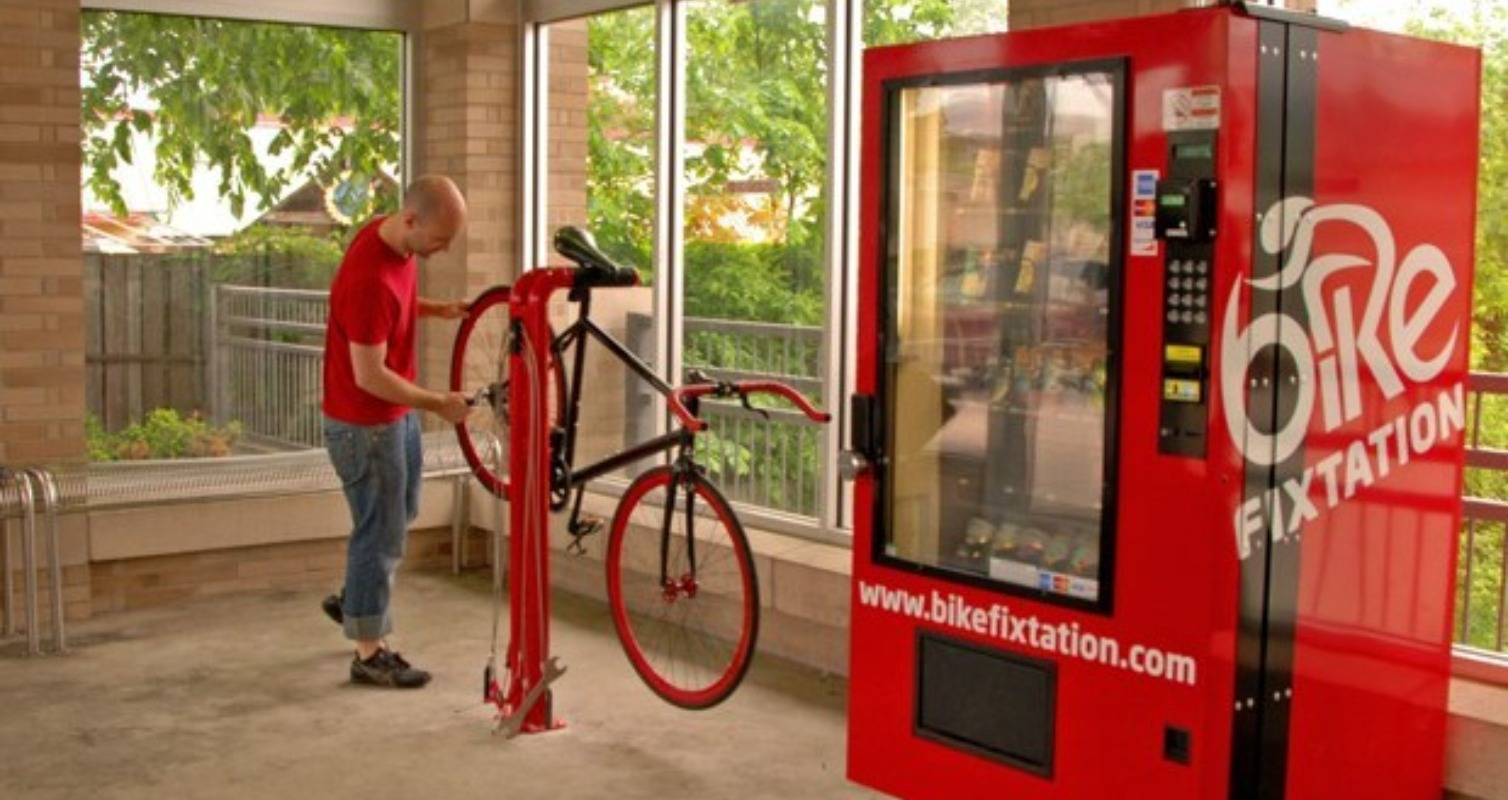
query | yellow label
[1183, 354]
[1181, 391]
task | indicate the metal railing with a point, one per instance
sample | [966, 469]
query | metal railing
[1482, 564]
[770, 459]
[267, 361]
[267, 373]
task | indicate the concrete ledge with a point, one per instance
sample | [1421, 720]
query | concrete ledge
[224, 523]
[1476, 741]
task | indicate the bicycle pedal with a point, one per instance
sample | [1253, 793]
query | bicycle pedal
[580, 528]
[586, 525]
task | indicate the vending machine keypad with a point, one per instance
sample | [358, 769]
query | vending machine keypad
[1186, 209]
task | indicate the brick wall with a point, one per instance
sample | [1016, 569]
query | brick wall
[569, 92]
[314, 567]
[1040, 13]
[41, 265]
[468, 102]
[466, 121]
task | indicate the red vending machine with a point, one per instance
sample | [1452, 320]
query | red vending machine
[1163, 347]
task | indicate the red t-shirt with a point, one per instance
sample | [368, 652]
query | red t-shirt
[372, 300]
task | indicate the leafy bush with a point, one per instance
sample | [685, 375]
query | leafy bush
[163, 434]
[272, 255]
[756, 282]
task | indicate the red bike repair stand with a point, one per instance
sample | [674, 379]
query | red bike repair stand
[526, 704]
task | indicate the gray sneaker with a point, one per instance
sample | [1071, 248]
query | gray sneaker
[387, 668]
[332, 607]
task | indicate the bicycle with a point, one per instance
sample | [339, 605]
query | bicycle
[680, 575]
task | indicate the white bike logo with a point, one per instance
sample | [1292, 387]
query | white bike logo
[1330, 353]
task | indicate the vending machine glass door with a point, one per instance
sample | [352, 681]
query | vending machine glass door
[1003, 253]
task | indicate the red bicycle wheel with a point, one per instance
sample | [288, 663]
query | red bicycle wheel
[479, 369]
[681, 585]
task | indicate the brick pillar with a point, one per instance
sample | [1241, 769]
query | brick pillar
[41, 259]
[569, 93]
[466, 121]
[41, 272]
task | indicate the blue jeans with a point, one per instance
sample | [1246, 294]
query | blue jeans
[379, 468]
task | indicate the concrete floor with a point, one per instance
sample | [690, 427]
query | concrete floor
[247, 697]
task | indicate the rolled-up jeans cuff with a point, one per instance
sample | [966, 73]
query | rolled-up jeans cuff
[368, 629]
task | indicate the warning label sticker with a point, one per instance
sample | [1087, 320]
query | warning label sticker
[1196, 108]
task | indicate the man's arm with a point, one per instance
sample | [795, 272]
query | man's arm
[444, 309]
[369, 363]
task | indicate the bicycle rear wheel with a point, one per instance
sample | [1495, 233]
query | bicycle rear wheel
[691, 633]
[479, 363]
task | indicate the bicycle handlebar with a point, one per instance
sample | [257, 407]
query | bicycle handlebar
[740, 389]
[594, 267]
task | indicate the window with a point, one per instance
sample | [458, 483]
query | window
[739, 290]
[226, 163]
[599, 147]
[754, 303]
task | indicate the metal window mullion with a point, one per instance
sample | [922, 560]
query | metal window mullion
[836, 356]
[1464, 628]
[1502, 619]
[670, 197]
[409, 76]
[533, 47]
[540, 168]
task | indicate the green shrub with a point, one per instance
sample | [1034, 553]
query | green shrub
[163, 434]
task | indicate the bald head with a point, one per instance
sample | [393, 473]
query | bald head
[432, 195]
[433, 213]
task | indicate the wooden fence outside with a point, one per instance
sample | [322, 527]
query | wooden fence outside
[147, 335]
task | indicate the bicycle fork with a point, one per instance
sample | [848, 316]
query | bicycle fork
[676, 587]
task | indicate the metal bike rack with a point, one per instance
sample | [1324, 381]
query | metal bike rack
[21, 491]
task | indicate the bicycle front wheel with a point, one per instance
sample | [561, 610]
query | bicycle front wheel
[681, 584]
[479, 368]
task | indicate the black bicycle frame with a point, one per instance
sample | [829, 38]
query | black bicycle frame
[577, 335]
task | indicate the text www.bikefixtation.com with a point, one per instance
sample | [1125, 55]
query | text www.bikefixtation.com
[997, 622]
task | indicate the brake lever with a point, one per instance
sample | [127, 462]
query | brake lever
[743, 397]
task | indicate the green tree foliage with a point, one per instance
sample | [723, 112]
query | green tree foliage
[752, 86]
[620, 134]
[274, 255]
[747, 282]
[198, 86]
[902, 21]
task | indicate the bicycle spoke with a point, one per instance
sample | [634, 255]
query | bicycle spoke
[479, 369]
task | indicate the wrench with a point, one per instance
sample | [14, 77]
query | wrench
[510, 725]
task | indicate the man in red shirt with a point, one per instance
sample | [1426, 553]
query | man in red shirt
[371, 428]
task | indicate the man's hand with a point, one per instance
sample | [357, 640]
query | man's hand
[452, 407]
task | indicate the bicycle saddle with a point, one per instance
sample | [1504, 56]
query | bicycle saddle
[579, 246]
